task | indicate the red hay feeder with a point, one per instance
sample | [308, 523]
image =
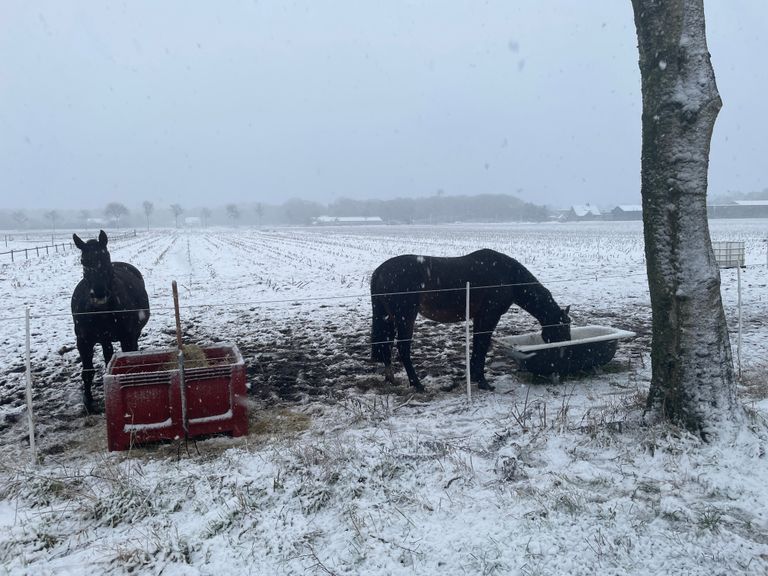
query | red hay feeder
[143, 396]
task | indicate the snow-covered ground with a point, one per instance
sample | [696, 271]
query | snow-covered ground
[343, 475]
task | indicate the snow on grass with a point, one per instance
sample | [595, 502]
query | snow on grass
[421, 487]
[342, 475]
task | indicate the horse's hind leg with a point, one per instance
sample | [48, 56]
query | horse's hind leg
[404, 325]
[383, 336]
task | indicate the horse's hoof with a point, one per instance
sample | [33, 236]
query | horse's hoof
[419, 388]
[389, 376]
[486, 386]
[89, 406]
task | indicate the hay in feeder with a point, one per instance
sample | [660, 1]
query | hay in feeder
[194, 357]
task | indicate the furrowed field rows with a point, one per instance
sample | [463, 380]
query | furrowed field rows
[282, 264]
[238, 285]
[586, 249]
[314, 250]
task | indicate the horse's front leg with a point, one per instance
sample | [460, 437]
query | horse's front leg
[481, 342]
[85, 349]
[480, 345]
[129, 345]
[108, 350]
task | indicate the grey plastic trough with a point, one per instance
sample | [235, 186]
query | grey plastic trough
[589, 347]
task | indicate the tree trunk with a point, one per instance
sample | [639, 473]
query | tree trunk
[692, 381]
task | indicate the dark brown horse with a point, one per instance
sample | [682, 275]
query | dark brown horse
[404, 286]
[110, 304]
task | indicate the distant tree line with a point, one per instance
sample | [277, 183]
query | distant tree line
[441, 209]
[735, 195]
[295, 211]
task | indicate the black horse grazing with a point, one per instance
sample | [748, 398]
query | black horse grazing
[405, 285]
[110, 304]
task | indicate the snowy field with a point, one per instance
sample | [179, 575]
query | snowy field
[343, 475]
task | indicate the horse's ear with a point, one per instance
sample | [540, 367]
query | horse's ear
[79, 243]
[102, 238]
[567, 309]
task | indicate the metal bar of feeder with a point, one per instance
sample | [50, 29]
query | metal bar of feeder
[183, 389]
[180, 357]
[176, 308]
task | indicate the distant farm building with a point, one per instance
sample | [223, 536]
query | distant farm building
[346, 220]
[193, 221]
[627, 212]
[739, 209]
[585, 212]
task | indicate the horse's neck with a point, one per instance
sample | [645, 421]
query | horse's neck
[534, 298]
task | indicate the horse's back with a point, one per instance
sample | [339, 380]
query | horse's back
[404, 273]
[125, 268]
[486, 258]
[130, 277]
[132, 282]
[412, 272]
[490, 267]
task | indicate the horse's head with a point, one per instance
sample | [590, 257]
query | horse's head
[97, 267]
[559, 330]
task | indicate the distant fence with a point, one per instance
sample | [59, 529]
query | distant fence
[36, 250]
[16, 254]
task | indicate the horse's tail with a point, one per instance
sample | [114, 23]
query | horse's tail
[382, 330]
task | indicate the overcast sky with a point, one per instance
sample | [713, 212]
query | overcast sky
[204, 103]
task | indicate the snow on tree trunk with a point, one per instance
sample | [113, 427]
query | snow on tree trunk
[692, 380]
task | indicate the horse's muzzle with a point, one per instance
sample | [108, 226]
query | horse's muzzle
[98, 300]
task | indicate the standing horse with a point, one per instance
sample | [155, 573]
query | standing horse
[404, 286]
[110, 304]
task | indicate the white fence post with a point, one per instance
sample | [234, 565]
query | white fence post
[738, 345]
[30, 414]
[469, 386]
[731, 255]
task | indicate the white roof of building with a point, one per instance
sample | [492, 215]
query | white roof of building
[586, 210]
[630, 207]
[330, 219]
[751, 202]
